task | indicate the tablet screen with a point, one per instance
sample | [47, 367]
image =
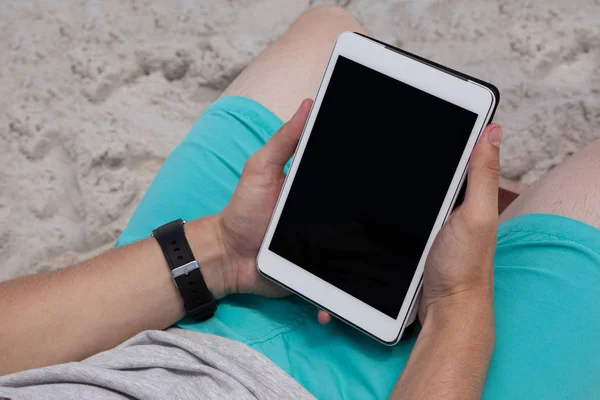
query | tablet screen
[372, 179]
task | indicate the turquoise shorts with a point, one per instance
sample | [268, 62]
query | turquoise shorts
[547, 285]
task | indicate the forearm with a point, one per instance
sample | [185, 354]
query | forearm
[451, 357]
[75, 312]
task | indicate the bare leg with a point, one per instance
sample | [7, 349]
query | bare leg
[290, 69]
[572, 190]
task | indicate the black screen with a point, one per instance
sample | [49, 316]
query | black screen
[370, 184]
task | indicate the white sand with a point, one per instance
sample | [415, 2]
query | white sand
[95, 94]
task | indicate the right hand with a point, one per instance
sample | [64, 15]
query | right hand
[452, 355]
[459, 273]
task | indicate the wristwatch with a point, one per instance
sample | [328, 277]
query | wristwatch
[199, 302]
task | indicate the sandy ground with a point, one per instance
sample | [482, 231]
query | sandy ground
[95, 94]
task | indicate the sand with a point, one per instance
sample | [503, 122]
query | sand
[95, 94]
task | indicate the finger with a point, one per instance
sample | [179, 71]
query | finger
[481, 199]
[323, 317]
[280, 148]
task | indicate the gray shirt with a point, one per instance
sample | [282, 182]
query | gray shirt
[174, 364]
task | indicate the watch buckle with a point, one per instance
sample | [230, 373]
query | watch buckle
[185, 269]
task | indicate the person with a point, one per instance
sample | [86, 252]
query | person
[527, 289]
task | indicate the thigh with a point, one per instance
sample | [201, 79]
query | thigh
[547, 280]
[199, 177]
[547, 310]
[571, 189]
[290, 69]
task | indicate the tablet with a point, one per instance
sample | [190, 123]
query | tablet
[376, 173]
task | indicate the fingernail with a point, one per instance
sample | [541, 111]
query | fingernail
[495, 136]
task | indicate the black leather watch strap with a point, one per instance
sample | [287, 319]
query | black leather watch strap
[199, 302]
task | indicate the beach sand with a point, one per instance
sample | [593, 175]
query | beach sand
[94, 95]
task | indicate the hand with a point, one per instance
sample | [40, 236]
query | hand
[459, 273]
[452, 355]
[243, 223]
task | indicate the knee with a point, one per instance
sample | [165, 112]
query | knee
[331, 18]
[327, 12]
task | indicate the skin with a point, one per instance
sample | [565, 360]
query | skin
[452, 354]
[450, 358]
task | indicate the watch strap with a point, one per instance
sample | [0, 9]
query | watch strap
[199, 302]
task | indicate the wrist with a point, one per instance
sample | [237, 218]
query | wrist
[453, 351]
[465, 320]
[206, 242]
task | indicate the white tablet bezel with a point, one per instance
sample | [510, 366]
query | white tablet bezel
[464, 93]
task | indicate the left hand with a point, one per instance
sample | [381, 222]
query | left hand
[243, 223]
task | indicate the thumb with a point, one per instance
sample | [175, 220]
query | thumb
[280, 148]
[481, 199]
